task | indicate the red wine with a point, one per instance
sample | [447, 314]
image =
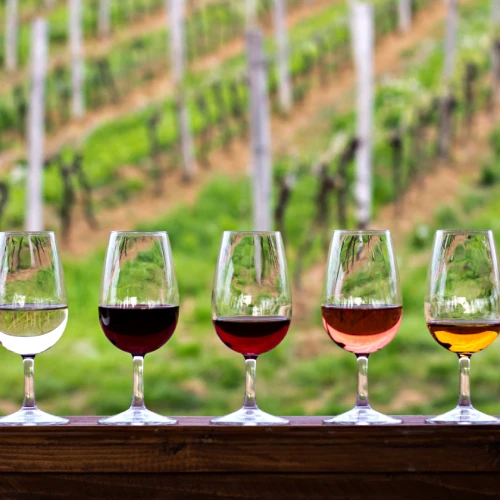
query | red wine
[362, 329]
[139, 329]
[252, 335]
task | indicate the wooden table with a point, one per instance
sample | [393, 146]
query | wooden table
[305, 459]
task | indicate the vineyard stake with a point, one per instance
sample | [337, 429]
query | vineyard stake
[495, 13]
[176, 8]
[11, 27]
[104, 17]
[260, 132]
[281, 33]
[76, 49]
[495, 50]
[448, 70]
[404, 15]
[36, 125]
[362, 29]
[251, 13]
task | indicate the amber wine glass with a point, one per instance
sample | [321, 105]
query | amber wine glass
[362, 307]
[462, 308]
[33, 310]
[252, 308]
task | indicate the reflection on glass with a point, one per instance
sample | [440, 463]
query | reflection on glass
[33, 310]
[252, 308]
[362, 307]
[462, 307]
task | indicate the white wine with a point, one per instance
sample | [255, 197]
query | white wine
[33, 328]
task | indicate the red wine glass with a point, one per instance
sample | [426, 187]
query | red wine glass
[33, 310]
[138, 308]
[462, 308]
[362, 307]
[252, 308]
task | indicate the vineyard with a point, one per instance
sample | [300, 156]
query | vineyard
[121, 166]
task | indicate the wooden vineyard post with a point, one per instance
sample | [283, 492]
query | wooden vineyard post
[11, 28]
[495, 12]
[36, 126]
[404, 15]
[495, 50]
[104, 17]
[176, 9]
[251, 13]
[260, 132]
[363, 43]
[281, 33]
[76, 49]
[448, 69]
[343, 181]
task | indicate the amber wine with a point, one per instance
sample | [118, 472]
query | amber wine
[33, 328]
[464, 336]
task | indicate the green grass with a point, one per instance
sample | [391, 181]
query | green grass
[195, 374]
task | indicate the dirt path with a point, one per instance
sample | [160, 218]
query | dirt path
[300, 124]
[157, 90]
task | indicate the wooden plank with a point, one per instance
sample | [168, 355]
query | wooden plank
[304, 446]
[251, 486]
[36, 125]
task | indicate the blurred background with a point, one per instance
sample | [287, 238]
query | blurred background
[136, 114]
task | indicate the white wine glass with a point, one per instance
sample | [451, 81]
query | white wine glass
[33, 310]
[462, 308]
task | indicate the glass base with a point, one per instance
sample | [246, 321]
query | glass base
[137, 416]
[464, 415]
[32, 417]
[363, 416]
[249, 416]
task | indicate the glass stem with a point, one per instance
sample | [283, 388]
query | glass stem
[138, 385]
[362, 394]
[464, 397]
[250, 402]
[29, 383]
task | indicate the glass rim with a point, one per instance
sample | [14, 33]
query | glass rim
[463, 231]
[139, 233]
[253, 232]
[362, 231]
[28, 233]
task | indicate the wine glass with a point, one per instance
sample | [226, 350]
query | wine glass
[462, 307]
[252, 308]
[362, 307]
[138, 308]
[33, 309]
